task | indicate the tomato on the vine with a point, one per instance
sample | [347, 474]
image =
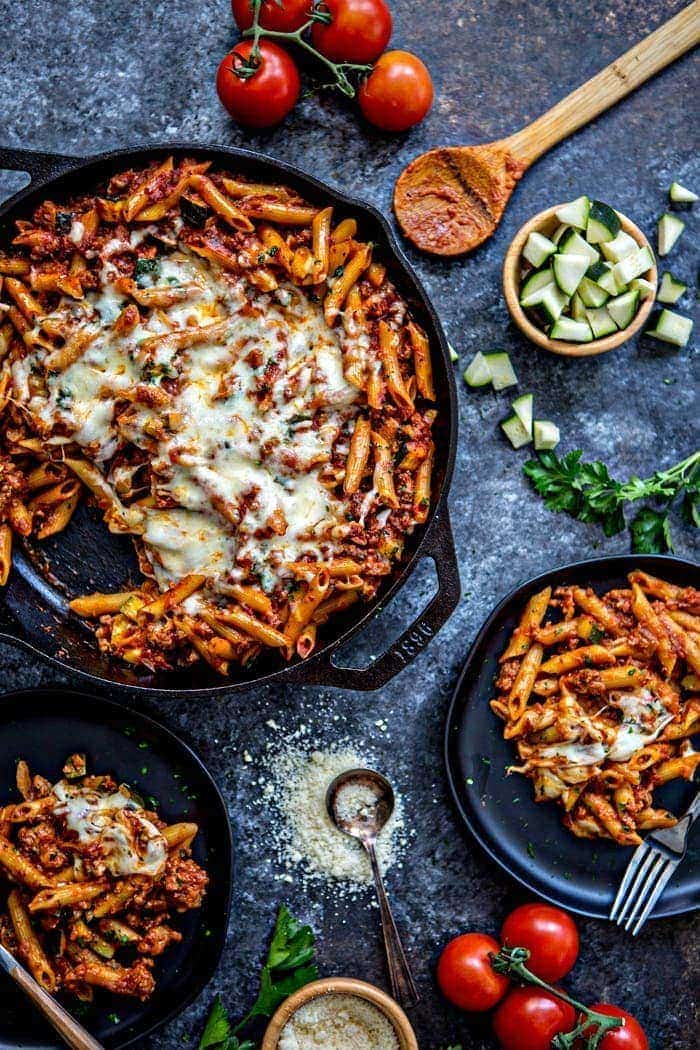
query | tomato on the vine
[398, 93]
[549, 934]
[630, 1036]
[529, 1018]
[284, 16]
[465, 974]
[358, 32]
[265, 97]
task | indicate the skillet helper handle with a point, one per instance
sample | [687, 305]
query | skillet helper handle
[72, 1033]
[41, 166]
[612, 84]
[403, 987]
[441, 548]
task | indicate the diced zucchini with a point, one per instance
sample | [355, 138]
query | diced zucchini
[603, 223]
[454, 356]
[592, 294]
[552, 303]
[619, 247]
[633, 266]
[546, 434]
[680, 195]
[601, 273]
[578, 310]
[571, 331]
[538, 248]
[536, 297]
[644, 287]
[574, 244]
[515, 432]
[623, 308]
[601, 322]
[671, 289]
[561, 229]
[478, 372]
[671, 328]
[522, 406]
[568, 271]
[131, 607]
[670, 229]
[534, 282]
[575, 213]
[502, 371]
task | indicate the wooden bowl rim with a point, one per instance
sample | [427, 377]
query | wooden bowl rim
[511, 282]
[341, 986]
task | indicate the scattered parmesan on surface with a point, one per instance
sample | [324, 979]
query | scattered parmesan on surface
[307, 843]
[338, 1022]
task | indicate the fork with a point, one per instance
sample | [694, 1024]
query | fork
[652, 865]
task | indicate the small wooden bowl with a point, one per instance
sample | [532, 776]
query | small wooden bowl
[341, 986]
[546, 222]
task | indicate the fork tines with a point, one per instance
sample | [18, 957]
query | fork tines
[644, 881]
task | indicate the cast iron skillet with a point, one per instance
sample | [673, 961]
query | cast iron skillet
[44, 727]
[33, 607]
[524, 837]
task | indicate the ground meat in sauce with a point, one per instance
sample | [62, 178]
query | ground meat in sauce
[185, 883]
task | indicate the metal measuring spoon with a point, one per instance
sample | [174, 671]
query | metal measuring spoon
[366, 825]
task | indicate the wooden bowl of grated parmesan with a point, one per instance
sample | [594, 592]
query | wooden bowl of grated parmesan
[340, 1013]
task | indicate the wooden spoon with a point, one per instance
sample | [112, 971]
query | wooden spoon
[450, 200]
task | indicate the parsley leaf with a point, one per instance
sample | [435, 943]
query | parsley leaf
[288, 967]
[587, 492]
[651, 532]
[218, 1026]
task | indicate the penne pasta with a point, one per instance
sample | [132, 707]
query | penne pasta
[599, 705]
[225, 370]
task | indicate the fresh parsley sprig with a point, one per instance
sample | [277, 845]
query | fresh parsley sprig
[586, 491]
[289, 966]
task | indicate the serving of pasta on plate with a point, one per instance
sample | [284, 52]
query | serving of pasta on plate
[234, 380]
[601, 701]
[95, 881]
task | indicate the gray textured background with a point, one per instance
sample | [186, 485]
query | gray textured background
[84, 75]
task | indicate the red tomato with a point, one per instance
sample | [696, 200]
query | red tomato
[550, 935]
[630, 1037]
[284, 19]
[268, 95]
[398, 92]
[465, 975]
[529, 1018]
[359, 32]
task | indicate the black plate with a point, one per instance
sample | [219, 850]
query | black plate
[525, 838]
[44, 727]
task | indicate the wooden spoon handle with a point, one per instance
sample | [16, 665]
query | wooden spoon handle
[67, 1027]
[665, 45]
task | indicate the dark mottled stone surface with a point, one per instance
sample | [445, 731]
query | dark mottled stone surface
[82, 76]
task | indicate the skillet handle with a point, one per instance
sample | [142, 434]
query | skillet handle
[441, 548]
[41, 166]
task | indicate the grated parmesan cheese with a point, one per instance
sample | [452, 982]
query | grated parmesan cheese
[338, 1022]
[308, 845]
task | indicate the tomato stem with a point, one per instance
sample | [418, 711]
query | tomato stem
[510, 962]
[319, 13]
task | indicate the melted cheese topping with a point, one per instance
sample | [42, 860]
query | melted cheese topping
[644, 717]
[239, 449]
[128, 843]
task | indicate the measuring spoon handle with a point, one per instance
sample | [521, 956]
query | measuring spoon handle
[403, 986]
[625, 74]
